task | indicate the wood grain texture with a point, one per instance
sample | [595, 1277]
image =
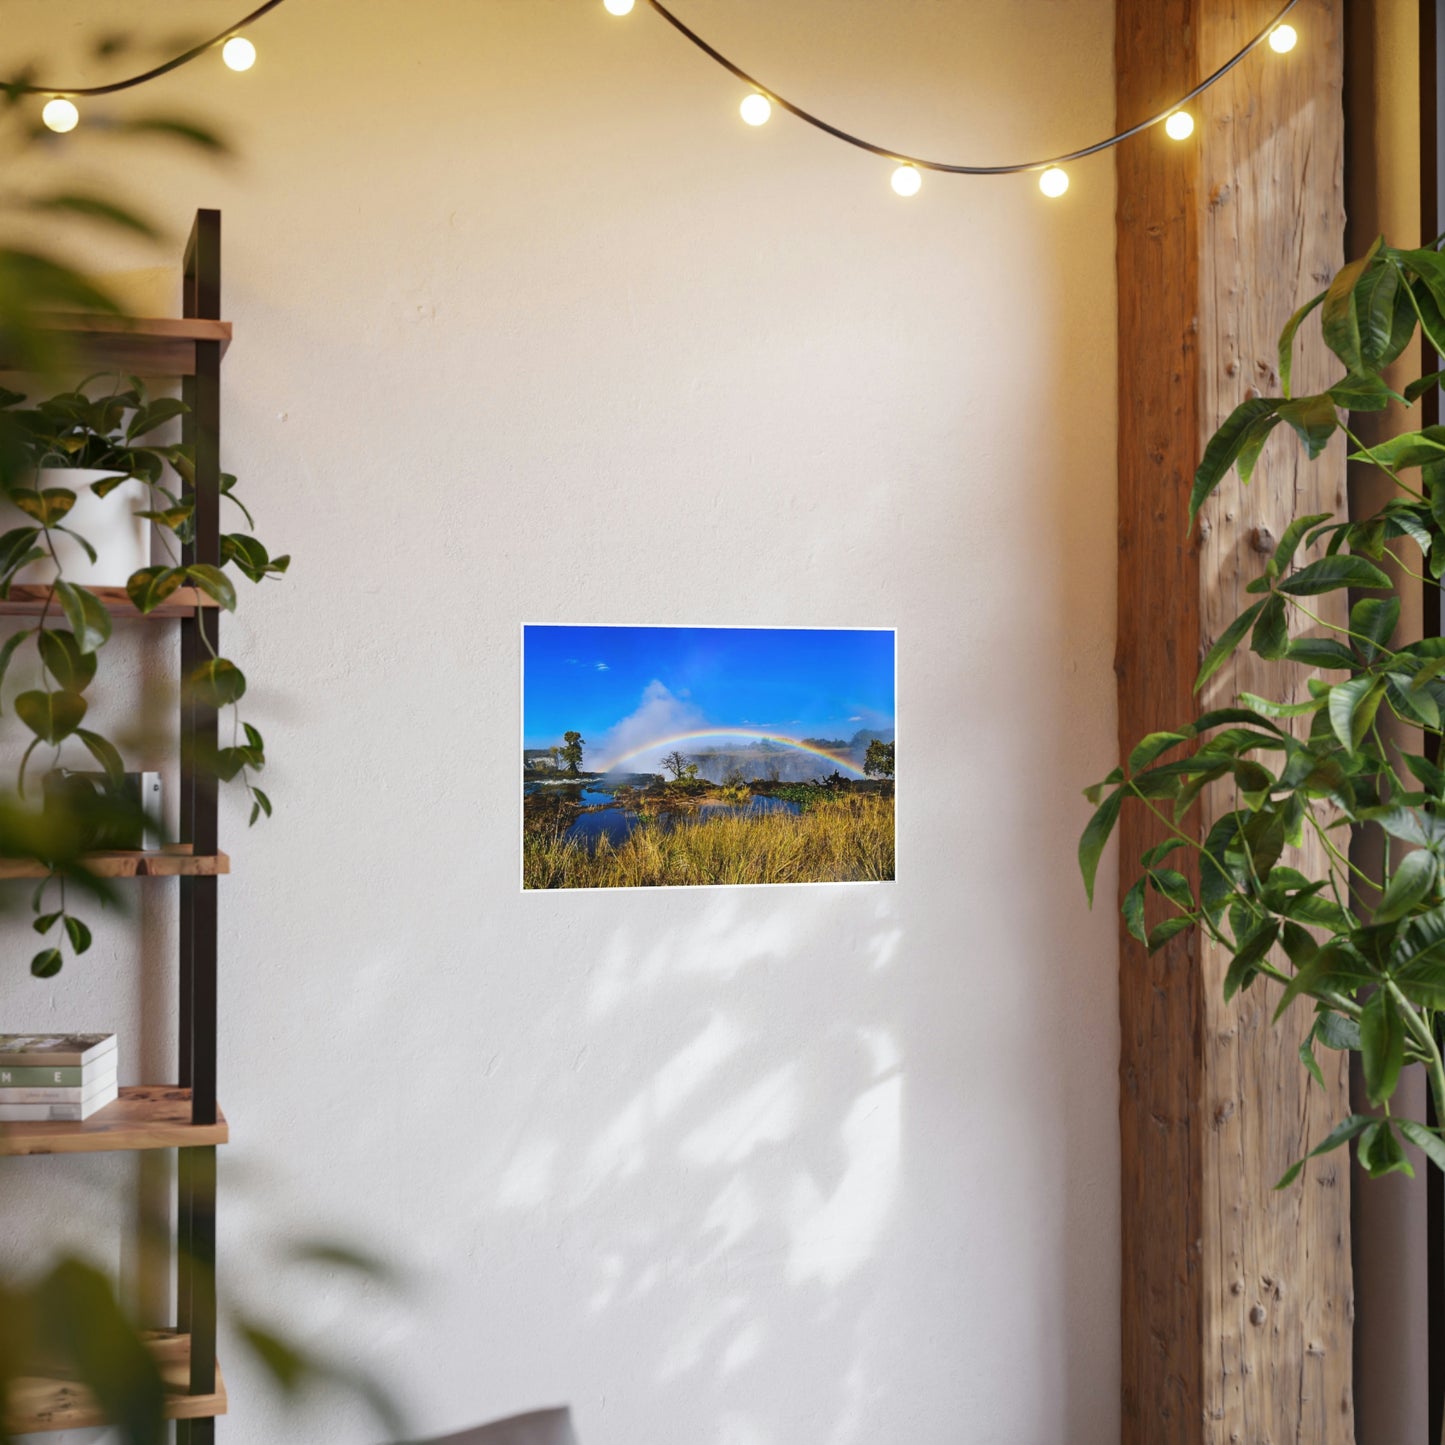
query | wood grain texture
[51, 1402]
[29, 600]
[1236, 1300]
[149, 346]
[177, 861]
[146, 1116]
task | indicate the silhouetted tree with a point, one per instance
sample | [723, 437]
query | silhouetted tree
[678, 765]
[571, 752]
[879, 762]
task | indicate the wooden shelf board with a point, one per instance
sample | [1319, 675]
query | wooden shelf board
[151, 345]
[41, 1402]
[146, 1116]
[177, 861]
[29, 599]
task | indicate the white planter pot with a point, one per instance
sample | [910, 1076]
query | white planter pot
[122, 540]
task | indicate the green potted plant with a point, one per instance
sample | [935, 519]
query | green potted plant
[97, 443]
[1374, 975]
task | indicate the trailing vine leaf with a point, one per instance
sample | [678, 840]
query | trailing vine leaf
[89, 621]
[149, 587]
[51, 716]
[217, 682]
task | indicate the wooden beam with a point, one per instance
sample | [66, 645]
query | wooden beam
[1236, 1300]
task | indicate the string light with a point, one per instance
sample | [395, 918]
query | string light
[239, 53]
[60, 114]
[1054, 182]
[907, 180]
[756, 109]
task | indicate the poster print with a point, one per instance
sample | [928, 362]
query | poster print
[686, 756]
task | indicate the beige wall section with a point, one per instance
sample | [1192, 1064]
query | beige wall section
[530, 326]
[1383, 173]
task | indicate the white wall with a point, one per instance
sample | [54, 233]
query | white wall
[530, 327]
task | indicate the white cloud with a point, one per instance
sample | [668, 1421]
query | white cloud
[602, 667]
[659, 714]
[855, 719]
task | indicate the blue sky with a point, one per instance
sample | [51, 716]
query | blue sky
[621, 687]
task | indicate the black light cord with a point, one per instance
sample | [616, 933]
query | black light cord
[961, 170]
[175, 63]
[714, 54]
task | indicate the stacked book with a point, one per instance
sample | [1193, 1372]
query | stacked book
[56, 1077]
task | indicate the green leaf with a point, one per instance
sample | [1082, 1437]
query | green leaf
[51, 716]
[1286, 340]
[71, 668]
[1307, 1057]
[1331, 573]
[1419, 387]
[149, 587]
[1431, 776]
[1320, 652]
[1353, 706]
[154, 414]
[1153, 746]
[78, 934]
[89, 621]
[1427, 1141]
[1253, 444]
[86, 207]
[1293, 1172]
[1095, 791]
[8, 650]
[47, 963]
[1413, 880]
[1313, 419]
[1335, 1031]
[1382, 1046]
[1133, 910]
[1409, 449]
[104, 752]
[1361, 393]
[1219, 654]
[1280, 709]
[214, 583]
[1331, 969]
[1095, 836]
[1289, 542]
[1374, 300]
[216, 682]
[1338, 321]
[1381, 1153]
[1374, 618]
[262, 802]
[47, 921]
[1163, 932]
[1224, 448]
[1244, 966]
[1271, 631]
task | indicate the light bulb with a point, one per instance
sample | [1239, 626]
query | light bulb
[619, 7]
[239, 53]
[1054, 182]
[907, 181]
[756, 109]
[1179, 126]
[1283, 39]
[60, 114]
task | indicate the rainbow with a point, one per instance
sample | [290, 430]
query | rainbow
[673, 739]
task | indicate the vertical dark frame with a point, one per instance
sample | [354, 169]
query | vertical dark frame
[200, 636]
[1432, 196]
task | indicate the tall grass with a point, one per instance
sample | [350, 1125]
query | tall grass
[844, 840]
